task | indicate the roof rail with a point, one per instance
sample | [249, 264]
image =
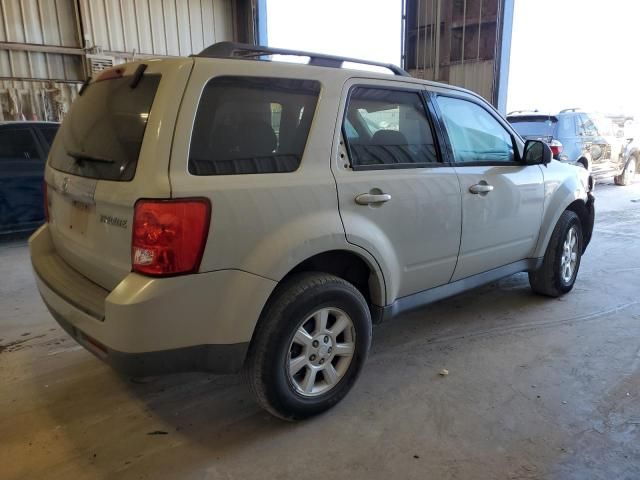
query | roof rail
[522, 111]
[575, 109]
[246, 51]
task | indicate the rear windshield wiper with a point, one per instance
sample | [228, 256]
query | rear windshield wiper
[84, 157]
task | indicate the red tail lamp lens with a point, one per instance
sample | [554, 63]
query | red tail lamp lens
[169, 236]
[556, 147]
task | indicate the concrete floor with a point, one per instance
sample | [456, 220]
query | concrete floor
[538, 388]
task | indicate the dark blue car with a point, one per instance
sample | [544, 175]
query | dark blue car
[24, 147]
[575, 137]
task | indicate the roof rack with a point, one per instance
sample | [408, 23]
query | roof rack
[575, 109]
[522, 111]
[246, 51]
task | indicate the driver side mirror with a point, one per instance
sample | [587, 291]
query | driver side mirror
[537, 153]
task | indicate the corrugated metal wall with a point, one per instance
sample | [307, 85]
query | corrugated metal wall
[459, 42]
[39, 22]
[156, 27]
[44, 43]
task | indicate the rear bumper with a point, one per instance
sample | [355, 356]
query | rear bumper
[211, 358]
[149, 326]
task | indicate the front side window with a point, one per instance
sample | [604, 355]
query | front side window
[475, 135]
[250, 125]
[388, 128]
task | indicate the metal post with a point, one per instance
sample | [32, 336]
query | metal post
[504, 55]
[261, 20]
[436, 63]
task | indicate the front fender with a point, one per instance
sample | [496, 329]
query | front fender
[563, 184]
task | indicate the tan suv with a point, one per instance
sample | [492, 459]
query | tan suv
[229, 210]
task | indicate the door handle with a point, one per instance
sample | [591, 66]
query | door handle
[372, 198]
[480, 188]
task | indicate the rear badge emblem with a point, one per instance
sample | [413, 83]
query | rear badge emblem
[115, 221]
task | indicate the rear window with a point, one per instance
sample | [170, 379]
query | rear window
[534, 127]
[252, 125]
[102, 134]
[18, 144]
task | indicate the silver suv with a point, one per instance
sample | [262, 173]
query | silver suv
[224, 211]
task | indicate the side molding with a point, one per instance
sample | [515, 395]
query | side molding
[417, 300]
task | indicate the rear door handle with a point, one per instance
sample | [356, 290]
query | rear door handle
[372, 198]
[480, 188]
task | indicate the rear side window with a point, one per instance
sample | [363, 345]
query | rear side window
[102, 134]
[18, 144]
[387, 128]
[586, 126]
[250, 125]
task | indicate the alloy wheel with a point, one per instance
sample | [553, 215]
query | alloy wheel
[321, 351]
[569, 259]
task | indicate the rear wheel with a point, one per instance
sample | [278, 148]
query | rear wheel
[629, 173]
[310, 345]
[561, 261]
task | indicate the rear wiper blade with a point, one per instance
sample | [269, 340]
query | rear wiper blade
[88, 158]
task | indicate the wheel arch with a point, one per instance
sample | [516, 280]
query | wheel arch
[355, 268]
[570, 192]
[585, 161]
[580, 208]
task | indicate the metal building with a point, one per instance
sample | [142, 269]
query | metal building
[460, 42]
[49, 47]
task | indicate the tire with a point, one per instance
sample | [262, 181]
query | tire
[629, 173]
[283, 386]
[552, 278]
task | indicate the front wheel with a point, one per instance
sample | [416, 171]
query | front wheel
[629, 173]
[561, 261]
[309, 346]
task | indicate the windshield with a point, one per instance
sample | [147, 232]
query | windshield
[102, 134]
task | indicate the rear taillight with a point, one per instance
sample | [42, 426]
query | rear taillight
[169, 235]
[45, 201]
[556, 147]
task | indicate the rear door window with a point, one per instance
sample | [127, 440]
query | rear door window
[388, 128]
[102, 134]
[248, 125]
